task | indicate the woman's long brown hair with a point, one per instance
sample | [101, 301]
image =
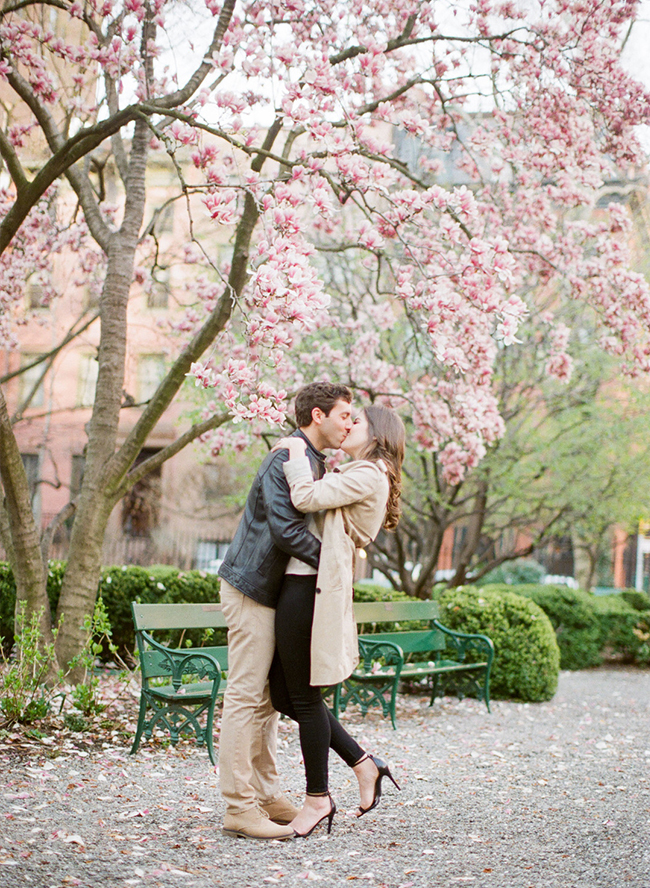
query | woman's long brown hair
[387, 442]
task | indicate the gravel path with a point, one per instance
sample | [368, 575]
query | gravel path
[553, 795]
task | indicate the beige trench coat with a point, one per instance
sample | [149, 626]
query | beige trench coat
[352, 506]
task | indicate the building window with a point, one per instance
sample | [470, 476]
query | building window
[151, 372]
[141, 506]
[36, 298]
[159, 292]
[210, 554]
[88, 370]
[30, 377]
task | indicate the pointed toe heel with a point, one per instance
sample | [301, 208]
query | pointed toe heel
[384, 771]
[329, 817]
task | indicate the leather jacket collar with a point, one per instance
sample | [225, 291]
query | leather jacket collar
[317, 453]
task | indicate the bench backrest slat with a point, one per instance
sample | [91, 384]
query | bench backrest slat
[412, 642]
[394, 611]
[177, 616]
[156, 665]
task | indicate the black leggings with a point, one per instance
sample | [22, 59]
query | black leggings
[291, 693]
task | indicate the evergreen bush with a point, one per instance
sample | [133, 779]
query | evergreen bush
[591, 628]
[55, 573]
[625, 631]
[579, 632]
[527, 658]
[638, 600]
[118, 587]
[365, 591]
[7, 607]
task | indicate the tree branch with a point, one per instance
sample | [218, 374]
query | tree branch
[13, 163]
[154, 462]
[182, 95]
[70, 335]
[214, 324]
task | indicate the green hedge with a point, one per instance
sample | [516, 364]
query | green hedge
[591, 628]
[119, 586]
[638, 600]
[625, 631]
[527, 658]
[365, 591]
[577, 628]
[56, 571]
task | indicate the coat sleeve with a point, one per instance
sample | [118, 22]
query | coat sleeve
[335, 490]
[286, 524]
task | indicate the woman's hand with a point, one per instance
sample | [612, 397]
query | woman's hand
[297, 447]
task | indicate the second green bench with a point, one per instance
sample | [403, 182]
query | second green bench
[435, 653]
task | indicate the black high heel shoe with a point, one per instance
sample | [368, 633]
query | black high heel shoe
[384, 771]
[329, 817]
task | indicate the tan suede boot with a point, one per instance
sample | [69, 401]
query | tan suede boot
[254, 824]
[280, 810]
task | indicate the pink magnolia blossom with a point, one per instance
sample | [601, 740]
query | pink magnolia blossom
[419, 202]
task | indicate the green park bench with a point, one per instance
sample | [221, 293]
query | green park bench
[435, 653]
[179, 685]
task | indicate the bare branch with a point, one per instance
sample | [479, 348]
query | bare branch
[154, 462]
[183, 95]
[70, 335]
[13, 163]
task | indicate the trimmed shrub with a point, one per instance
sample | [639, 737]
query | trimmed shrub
[55, 573]
[592, 628]
[571, 612]
[364, 591]
[118, 587]
[527, 657]
[7, 606]
[638, 600]
[625, 631]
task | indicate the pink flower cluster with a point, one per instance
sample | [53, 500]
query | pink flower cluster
[427, 189]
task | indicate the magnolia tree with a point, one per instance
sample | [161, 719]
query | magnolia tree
[539, 479]
[292, 115]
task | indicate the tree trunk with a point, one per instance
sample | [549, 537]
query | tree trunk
[585, 559]
[24, 553]
[79, 588]
[473, 538]
[106, 469]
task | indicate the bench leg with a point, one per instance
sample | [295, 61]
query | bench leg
[435, 688]
[142, 718]
[393, 702]
[209, 732]
[486, 690]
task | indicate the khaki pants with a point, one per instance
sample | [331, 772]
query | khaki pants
[249, 724]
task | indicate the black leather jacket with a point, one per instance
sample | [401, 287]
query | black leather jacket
[271, 530]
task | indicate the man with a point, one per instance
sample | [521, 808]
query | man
[270, 534]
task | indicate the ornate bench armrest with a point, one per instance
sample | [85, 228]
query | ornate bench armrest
[377, 655]
[464, 641]
[186, 662]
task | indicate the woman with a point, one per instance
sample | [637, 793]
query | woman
[316, 638]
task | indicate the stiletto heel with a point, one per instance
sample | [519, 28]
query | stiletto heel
[329, 817]
[384, 771]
